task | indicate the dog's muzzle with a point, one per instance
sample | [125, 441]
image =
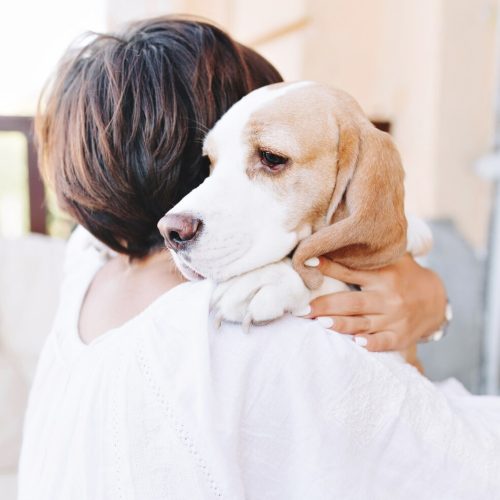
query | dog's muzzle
[179, 230]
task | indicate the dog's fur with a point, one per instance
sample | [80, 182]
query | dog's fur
[340, 193]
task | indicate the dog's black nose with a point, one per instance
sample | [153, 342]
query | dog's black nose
[179, 229]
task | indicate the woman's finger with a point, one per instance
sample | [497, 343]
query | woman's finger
[341, 273]
[349, 324]
[347, 304]
[377, 342]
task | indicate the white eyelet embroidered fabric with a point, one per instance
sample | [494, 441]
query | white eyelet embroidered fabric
[167, 407]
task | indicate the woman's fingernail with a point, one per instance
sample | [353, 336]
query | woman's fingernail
[304, 311]
[325, 321]
[361, 341]
[312, 262]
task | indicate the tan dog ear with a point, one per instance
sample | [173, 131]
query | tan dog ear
[367, 221]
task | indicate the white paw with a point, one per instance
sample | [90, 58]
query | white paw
[419, 236]
[261, 295]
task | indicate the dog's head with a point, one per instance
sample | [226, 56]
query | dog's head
[291, 164]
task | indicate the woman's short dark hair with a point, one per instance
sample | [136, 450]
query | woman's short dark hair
[122, 122]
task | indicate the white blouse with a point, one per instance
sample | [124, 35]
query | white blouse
[168, 407]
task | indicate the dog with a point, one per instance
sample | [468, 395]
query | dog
[297, 171]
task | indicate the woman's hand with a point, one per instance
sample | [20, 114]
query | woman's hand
[397, 306]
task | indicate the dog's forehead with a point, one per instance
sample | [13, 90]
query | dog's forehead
[304, 113]
[230, 127]
[284, 110]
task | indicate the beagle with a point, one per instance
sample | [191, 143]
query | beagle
[297, 171]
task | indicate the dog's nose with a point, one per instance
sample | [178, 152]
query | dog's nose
[179, 229]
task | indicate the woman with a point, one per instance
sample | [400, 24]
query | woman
[136, 396]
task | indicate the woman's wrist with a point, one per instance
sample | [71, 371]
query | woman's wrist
[434, 302]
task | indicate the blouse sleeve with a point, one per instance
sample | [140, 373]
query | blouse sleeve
[79, 243]
[332, 417]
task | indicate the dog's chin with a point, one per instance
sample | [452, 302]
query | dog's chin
[237, 267]
[222, 274]
[218, 275]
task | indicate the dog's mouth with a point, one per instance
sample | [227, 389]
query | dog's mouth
[187, 270]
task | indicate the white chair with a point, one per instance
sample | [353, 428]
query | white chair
[30, 277]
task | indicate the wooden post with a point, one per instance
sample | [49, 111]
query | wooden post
[37, 208]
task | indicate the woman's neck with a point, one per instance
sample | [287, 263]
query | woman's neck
[122, 289]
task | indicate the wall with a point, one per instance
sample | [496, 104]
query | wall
[465, 109]
[425, 65]
[33, 36]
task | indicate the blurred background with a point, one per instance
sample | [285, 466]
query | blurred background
[424, 70]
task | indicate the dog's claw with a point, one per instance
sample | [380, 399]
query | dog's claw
[218, 321]
[247, 323]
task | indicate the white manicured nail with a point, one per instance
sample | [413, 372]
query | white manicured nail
[312, 262]
[325, 321]
[304, 311]
[361, 341]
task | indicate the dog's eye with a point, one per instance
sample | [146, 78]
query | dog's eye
[272, 161]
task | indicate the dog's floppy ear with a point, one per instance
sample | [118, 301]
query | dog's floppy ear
[367, 224]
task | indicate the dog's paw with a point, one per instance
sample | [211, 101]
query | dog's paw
[260, 296]
[419, 236]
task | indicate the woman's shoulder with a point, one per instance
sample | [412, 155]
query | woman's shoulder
[81, 247]
[290, 357]
[184, 314]
[296, 361]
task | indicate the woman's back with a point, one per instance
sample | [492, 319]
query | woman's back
[122, 289]
[166, 406]
[92, 430]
